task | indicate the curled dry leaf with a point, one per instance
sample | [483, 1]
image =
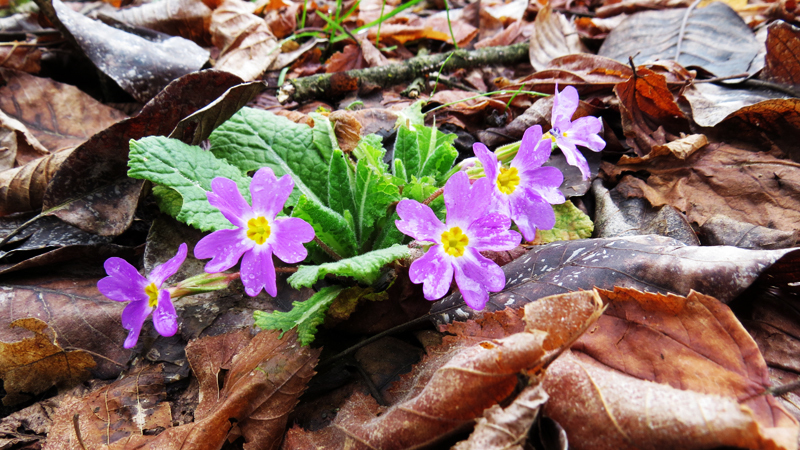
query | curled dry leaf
[553, 36]
[782, 62]
[248, 46]
[650, 115]
[664, 371]
[719, 179]
[186, 18]
[721, 230]
[777, 121]
[458, 379]
[35, 364]
[654, 263]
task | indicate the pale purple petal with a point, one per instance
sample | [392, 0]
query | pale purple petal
[418, 221]
[574, 157]
[163, 271]
[124, 283]
[533, 151]
[500, 204]
[488, 160]
[269, 193]
[287, 238]
[258, 271]
[226, 197]
[565, 104]
[544, 181]
[531, 212]
[165, 319]
[491, 232]
[584, 131]
[225, 247]
[475, 275]
[133, 317]
[435, 271]
[466, 202]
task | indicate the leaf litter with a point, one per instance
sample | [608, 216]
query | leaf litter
[704, 163]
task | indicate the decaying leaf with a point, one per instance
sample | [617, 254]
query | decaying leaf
[721, 230]
[782, 63]
[185, 18]
[248, 46]
[35, 364]
[457, 380]
[777, 121]
[711, 104]
[553, 36]
[652, 263]
[750, 187]
[642, 379]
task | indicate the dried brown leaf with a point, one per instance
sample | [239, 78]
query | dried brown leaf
[777, 121]
[35, 364]
[721, 230]
[553, 36]
[24, 58]
[463, 31]
[247, 45]
[347, 129]
[23, 188]
[783, 54]
[186, 18]
[351, 57]
[664, 371]
[719, 179]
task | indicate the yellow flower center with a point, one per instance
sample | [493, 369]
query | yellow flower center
[507, 180]
[258, 229]
[550, 136]
[152, 293]
[454, 241]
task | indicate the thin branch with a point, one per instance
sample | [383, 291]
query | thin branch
[327, 249]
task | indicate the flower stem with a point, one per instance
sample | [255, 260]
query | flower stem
[327, 249]
[433, 196]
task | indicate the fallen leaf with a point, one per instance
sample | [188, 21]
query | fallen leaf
[632, 6]
[185, 18]
[553, 36]
[247, 44]
[711, 104]
[715, 38]
[650, 115]
[782, 62]
[721, 230]
[642, 379]
[776, 121]
[463, 32]
[652, 263]
[347, 129]
[21, 57]
[35, 364]
[139, 66]
[746, 186]
[349, 58]
[680, 148]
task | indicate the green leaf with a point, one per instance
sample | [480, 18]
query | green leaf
[329, 226]
[373, 195]
[390, 235]
[306, 316]
[370, 148]
[365, 268]
[437, 153]
[254, 138]
[341, 184]
[188, 170]
[399, 170]
[323, 136]
[571, 224]
[411, 117]
[169, 201]
[406, 149]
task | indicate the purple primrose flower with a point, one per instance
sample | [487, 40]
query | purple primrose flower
[125, 284]
[469, 229]
[525, 190]
[567, 133]
[258, 233]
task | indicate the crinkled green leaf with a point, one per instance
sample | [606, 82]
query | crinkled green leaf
[188, 170]
[374, 193]
[341, 183]
[370, 148]
[254, 138]
[169, 201]
[571, 224]
[323, 136]
[365, 268]
[437, 153]
[406, 149]
[306, 316]
[330, 227]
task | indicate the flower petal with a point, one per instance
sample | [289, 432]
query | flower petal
[491, 232]
[287, 238]
[435, 271]
[258, 271]
[488, 160]
[226, 197]
[533, 151]
[584, 132]
[531, 212]
[133, 317]
[544, 181]
[163, 271]
[565, 104]
[124, 283]
[225, 247]
[574, 157]
[269, 193]
[418, 221]
[466, 202]
[475, 275]
[165, 319]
